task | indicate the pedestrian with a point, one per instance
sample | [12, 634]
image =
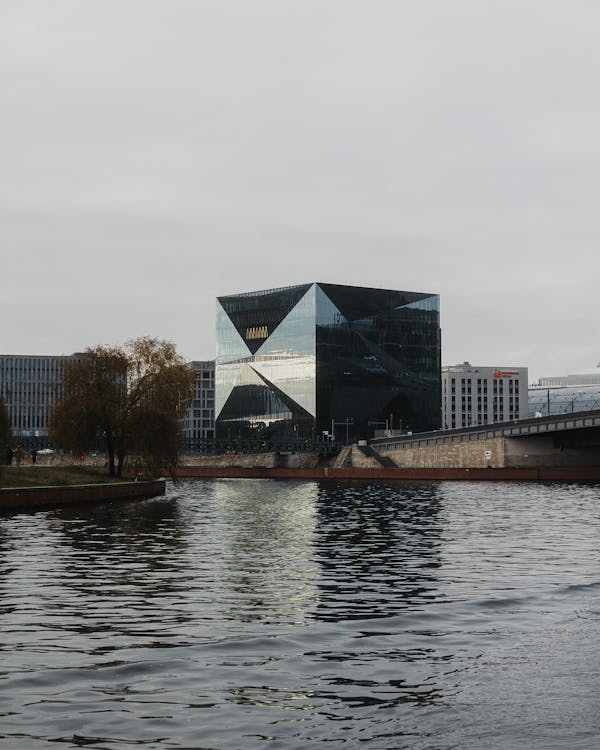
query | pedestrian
[9, 455]
[18, 454]
[33, 456]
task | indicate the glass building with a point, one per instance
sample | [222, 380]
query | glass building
[317, 358]
[565, 393]
[544, 401]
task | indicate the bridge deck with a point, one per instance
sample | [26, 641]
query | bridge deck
[514, 429]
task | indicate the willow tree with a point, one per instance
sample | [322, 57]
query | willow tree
[129, 399]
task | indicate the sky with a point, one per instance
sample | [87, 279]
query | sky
[156, 154]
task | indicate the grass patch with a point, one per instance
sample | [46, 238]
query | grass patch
[12, 477]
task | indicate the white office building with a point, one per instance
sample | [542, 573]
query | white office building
[474, 395]
[199, 422]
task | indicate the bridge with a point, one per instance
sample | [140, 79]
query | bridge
[570, 439]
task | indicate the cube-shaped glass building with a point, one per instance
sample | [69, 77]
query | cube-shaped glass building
[303, 360]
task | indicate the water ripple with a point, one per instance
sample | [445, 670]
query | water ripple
[245, 613]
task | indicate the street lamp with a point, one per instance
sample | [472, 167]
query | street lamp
[347, 421]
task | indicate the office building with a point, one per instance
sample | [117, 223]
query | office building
[198, 424]
[29, 386]
[325, 360]
[481, 395]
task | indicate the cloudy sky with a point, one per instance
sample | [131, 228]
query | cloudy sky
[155, 154]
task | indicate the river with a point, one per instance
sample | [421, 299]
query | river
[282, 614]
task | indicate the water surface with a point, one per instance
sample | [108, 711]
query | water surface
[266, 614]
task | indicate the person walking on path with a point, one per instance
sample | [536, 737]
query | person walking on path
[9, 455]
[18, 454]
[33, 456]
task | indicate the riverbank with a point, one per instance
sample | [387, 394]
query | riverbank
[32, 488]
[12, 477]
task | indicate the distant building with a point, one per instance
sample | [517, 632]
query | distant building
[586, 378]
[199, 422]
[324, 359]
[475, 395]
[565, 393]
[29, 386]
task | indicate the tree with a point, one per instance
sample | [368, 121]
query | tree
[129, 399]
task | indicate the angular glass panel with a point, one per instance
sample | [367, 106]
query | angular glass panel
[380, 365]
[232, 353]
[327, 314]
[356, 302]
[255, 315]
[431, 303]
[288, 357]
[253, 402]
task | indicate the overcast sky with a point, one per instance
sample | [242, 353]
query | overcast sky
[155, 154]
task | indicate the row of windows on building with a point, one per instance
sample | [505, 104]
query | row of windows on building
[29, 387]
[480, 395]
[199, 422]
[467, 385]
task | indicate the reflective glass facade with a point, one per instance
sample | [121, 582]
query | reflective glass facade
[316, 358]
[562, 400]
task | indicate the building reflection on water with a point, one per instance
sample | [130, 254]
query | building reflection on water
[344, 560]
[291, 551]
[378, 548]
[294, 601]
[266, 568]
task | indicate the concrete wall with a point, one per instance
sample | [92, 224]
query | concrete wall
[530, 452]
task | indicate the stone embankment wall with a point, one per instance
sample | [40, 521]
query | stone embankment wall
[468, 455]
[360, 460]
[247, 460]
[254, 460]
[509, 453]
[352, 455]
[58, 459]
